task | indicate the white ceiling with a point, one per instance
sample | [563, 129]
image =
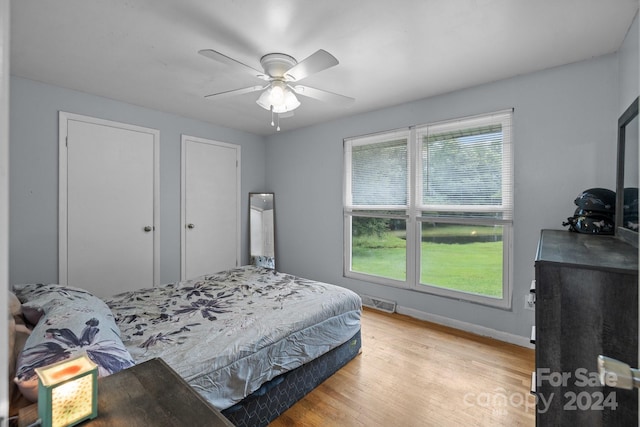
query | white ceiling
[144, 52]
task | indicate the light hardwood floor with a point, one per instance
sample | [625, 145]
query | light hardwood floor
[416, 373]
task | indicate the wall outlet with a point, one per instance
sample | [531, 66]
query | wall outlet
[530, 301]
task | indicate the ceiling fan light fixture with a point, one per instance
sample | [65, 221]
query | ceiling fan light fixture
[279, 98]
[277, 95]
[281, 70]
[290, 101]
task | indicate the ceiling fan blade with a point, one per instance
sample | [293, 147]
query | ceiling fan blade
[220, 57]
[323, 95]
[235, 92]
[321, 60]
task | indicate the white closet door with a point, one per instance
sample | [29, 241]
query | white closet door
[108, 202]
[210, 206]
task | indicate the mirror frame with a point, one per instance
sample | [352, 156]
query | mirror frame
[623, 233]
[273, 201]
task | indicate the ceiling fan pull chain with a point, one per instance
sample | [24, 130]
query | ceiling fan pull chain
[278, 119]
[272, 124]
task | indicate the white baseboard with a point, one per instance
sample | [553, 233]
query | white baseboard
[467, 327]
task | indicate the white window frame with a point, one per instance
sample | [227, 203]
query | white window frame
[414, 208]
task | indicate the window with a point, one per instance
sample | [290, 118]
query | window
[430, 208]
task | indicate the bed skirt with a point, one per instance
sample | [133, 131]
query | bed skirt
[275, 397]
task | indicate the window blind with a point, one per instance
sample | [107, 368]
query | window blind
[378, 170]
[466, 167]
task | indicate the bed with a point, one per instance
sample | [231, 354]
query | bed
[250, 340]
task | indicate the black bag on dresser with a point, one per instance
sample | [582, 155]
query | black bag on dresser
[595, 213]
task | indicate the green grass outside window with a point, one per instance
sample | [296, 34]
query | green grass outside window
[469, 267]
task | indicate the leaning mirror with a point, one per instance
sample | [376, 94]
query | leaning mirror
[262, 251]
[627, 175]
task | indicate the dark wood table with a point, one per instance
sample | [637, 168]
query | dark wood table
[148, 394]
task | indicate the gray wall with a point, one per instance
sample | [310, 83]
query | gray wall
[629, 85]
[33, 154]
[565, 141]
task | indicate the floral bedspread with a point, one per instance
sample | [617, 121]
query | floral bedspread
[229, 332]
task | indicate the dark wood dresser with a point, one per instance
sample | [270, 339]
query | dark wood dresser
[586, 305]
[148, 394]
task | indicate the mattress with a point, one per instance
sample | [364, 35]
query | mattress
[228, 333]
[276, 396]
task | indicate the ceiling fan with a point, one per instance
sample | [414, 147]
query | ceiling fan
[282, 72]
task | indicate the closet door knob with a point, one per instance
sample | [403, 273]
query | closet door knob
[191, 226]
[148, 228]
